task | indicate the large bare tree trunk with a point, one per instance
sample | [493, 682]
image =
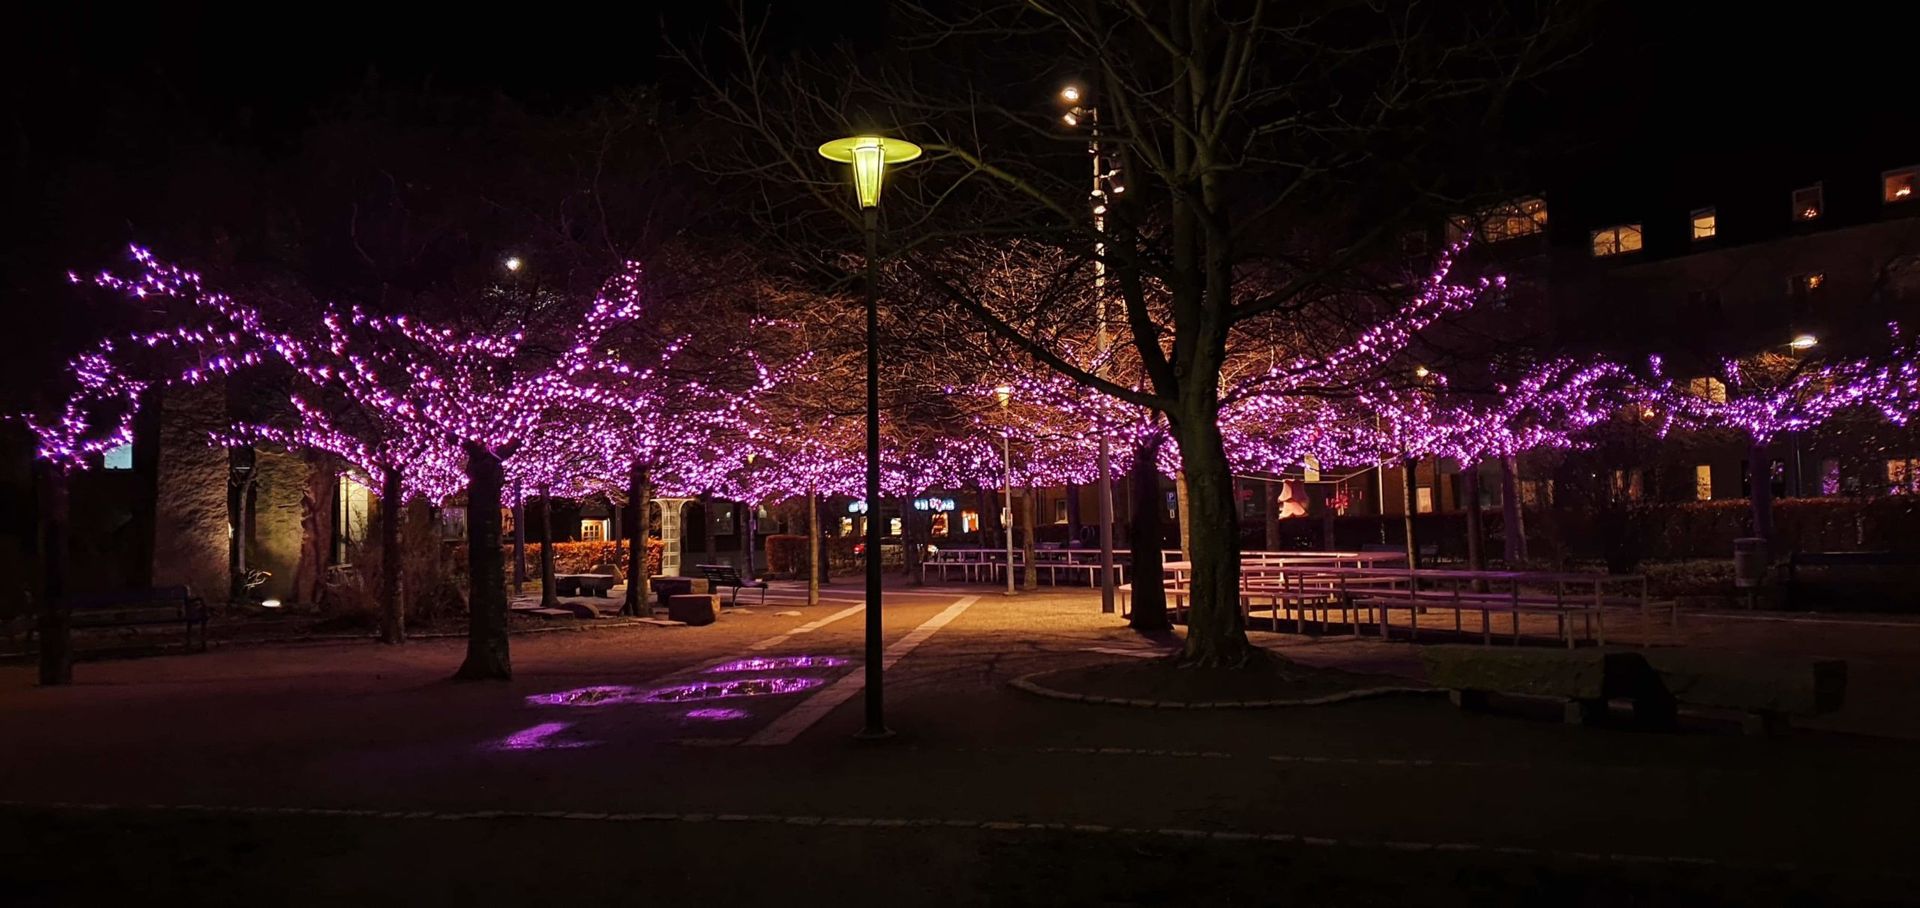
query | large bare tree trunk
[316, 529]
[1149, 605]
[1073, 515]
[1760, 486]
[909, 538]
[639, 601]
[1185, 512]
[55, 607]
[487, 657]
[815, 557]
[1027, 507]
[549, 595]
[1513, 529]
[393, 614]
[1216, 629]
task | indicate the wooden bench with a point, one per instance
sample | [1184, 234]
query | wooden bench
[1486, 604]
[726, 575]
[135, 608]
[1582, 680]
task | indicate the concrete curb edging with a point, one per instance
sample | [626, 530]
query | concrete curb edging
[1026, 683]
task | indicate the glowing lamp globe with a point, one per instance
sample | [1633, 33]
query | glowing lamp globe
[869, 156]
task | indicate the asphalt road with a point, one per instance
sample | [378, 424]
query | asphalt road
[648, 760]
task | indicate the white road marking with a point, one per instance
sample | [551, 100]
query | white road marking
[807, 628]
[797, 720]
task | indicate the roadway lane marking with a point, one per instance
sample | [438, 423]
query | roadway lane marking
[790, 726]
[807, 628]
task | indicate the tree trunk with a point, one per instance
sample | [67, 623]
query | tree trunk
[549, 595]
[706, 528]
[487, 657]
[815, 557]
[1216, 629]
[1027, 507]
[55, 608]
[240, 464]
[1513, 530]
[1073, 515]
[1760, 487]
[909, 532]
[1470, 487]
[393, 615]
[519, 539]
[1149, 611]
[1272, 511]
[144, 507]
[821, 563]
[1409, 499]
[639, 599]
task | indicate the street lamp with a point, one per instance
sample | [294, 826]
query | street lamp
[1004, 394]
[870, 156]
[1106, 183]
[1804, 342]
[513, 263]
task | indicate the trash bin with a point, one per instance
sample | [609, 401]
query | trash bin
[1749, 562]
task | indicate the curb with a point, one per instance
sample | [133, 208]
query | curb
[1026, 683]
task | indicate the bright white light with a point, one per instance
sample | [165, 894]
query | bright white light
[1070, 94]
[1421, 371]
[1003, 394]
[270, 603]
[1070, 119]
[1803, 342]
[513, 263]
[1099, 209]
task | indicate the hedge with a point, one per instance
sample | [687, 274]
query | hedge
[580, 557]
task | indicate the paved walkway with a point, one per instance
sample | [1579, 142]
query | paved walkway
[662, 725]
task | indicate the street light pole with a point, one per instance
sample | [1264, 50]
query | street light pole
[870, 156]
[1005, 395]
[1097, 201]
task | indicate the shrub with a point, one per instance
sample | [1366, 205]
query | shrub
[581, 557]
[787, 554]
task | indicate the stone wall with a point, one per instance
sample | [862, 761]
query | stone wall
[190, 525]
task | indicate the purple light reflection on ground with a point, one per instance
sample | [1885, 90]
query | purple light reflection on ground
[540, 737]
[601, 695]
[716, 713]
[778, 663]
[745, 687]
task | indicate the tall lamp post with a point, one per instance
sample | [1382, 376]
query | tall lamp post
[870, 156]
[1004, 394]
[1105, 181]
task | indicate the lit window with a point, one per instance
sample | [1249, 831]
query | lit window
[1524, 216]
[1808, 203]
[1703, 482]
[1708, 388]
[593, 530]
[1903, 476]
[1060, 511]
[120, 458]
[1423, 500]
[1629, 485]
[1898, 185]
[1616, 240]
[969, 521]
[1704, 224]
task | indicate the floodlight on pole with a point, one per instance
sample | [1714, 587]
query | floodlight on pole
[1804, 342]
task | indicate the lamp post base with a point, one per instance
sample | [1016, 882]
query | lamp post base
[873, 734]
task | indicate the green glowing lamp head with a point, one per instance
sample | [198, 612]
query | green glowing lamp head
[869, 156]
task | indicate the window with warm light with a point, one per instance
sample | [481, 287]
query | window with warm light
[1705, 224]
[1809, 203]
[1524, 216]
[593, 530]
[1616, 240]
[1899, 185]
[1708, 388]
[1703, 482]
[1903, 476]
[1629, 485]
